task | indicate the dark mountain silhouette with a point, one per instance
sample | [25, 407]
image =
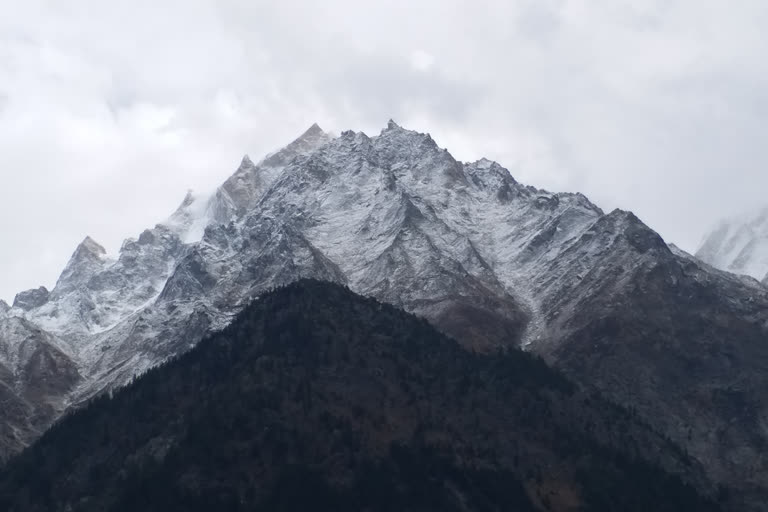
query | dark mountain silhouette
[315, 398]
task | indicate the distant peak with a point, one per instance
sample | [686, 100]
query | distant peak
[189, 198]
[484, 164]
[88, 257]
[307, 143]
[617, 214]
[396, 129]
[246, 162]
[191, 210]
[182, 212]
[88, 250]
[313, 131]
[90, 245]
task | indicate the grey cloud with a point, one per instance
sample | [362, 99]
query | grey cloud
[541, 20]
[382, 86]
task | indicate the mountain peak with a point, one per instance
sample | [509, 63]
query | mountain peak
[4, 307]
[309, 141]
[395, 131]
[88, 256]
[189, 219]
[485, 164]
[31, 299]
[246, 163]
[313, 131]
[189, 198]
[91, 247]
[311, 136]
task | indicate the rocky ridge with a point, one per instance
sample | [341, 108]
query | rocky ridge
[488, 260]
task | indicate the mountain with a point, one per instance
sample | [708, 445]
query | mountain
[739, 245]
[241, 192]
[489, 261]
[318, 399]
[36, 370]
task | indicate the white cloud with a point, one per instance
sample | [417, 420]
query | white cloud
[421, 60]
[110, 110]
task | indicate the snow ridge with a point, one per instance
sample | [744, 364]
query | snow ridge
[393, 216]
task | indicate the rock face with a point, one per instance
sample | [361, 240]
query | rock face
[37, 373]
[488, 260]
[739, 245]
[30, 299]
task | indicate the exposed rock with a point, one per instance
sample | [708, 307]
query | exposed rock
[37, 373]
[30, 299]
[88, 259]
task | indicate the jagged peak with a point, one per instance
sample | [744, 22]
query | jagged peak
[311, 135]
[313, 131]
[308, 142]
[639, 235]
[353, 136]
[485, 164]
[91, 247]
[246, 163]
[188, 221]
[396, 132]
[394, 128]
[31, 299]
[622, 215]
[184, 209]
[88, 257]
[4, 307]
[189, 198]
[86, 253]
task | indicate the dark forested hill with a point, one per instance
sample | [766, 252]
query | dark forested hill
[315, 398]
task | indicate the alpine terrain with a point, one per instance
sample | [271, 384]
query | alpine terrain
[317, 399]
[739, 245]
[491, 262]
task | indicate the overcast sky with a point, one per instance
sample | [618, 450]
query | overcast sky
[110, 111]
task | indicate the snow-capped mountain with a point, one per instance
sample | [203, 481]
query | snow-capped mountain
[242, 191]
[739, 245]
[488, 260]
